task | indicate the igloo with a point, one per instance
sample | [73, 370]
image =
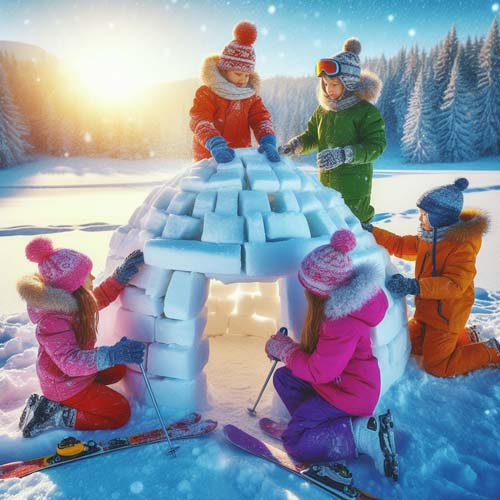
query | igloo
[222, 245]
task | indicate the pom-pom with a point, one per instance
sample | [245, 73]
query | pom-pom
[245, 33]
[462, 183]
[352, 45]
[343, 241]
[39, 249]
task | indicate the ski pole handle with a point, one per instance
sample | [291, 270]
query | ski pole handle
[284, 331]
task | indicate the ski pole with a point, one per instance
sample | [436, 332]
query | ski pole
[171, 451]
[284, 331]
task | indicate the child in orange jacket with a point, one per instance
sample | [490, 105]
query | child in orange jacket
[445, 252]
[228, 104]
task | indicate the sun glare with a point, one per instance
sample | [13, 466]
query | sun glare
[111, 74]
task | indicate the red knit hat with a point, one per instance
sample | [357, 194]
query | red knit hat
[238, 55]
[61, 268]
[328, 266]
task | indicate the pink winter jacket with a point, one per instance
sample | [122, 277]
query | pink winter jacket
[64, 369]
[342, 368]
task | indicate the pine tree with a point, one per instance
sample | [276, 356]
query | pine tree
[458, 116]
[489, 92]
[444, 61]
[417, 143]
[14, 147]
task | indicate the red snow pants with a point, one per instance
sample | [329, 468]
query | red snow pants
[100, 407]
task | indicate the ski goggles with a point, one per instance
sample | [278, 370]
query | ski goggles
[330, 67]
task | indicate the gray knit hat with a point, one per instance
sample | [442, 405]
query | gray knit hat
[444, 203]
[350, 67]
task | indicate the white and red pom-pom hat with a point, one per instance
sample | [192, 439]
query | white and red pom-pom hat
[328, 266]
[238, 55]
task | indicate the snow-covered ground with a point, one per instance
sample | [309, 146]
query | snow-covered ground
[447, 430]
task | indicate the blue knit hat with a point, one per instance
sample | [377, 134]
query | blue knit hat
[444, 203]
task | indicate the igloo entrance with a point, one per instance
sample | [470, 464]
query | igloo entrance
[243, 227]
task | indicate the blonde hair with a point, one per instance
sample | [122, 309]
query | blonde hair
[312, 321]
[86, 318]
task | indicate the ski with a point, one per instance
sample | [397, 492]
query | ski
[335, 479]
[71, 449]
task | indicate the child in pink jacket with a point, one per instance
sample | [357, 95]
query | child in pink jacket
[332, 377]
[73, 373]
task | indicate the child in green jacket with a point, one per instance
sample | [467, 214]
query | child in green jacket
[346, 129]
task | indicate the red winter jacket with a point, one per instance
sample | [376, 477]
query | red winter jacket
[213, 114]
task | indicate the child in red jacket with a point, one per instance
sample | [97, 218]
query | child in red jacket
[228, 104]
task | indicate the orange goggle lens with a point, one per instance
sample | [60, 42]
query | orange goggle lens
[328, 66]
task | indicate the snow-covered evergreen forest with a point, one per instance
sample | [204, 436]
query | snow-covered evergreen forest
[439, 106]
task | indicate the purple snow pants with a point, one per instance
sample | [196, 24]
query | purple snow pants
[317, 431]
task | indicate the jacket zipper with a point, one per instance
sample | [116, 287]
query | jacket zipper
[439, 304]
[427, 254]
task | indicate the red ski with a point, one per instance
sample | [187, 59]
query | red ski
[71, 449]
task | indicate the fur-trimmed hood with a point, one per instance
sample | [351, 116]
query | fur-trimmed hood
[42, 297]
[473, 225]
[211, 77]
[367, 281]
[369, 89]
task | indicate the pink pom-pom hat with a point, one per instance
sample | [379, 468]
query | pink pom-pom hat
[328, 266]
[238, 55]
[62, 267]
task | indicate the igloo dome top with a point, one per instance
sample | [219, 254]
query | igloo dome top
[249, 219]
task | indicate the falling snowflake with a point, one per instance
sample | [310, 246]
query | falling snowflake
[264, 32]
[281, 37]
[203, 28]
[341, 25]
[271, 9]
[27, 21]
[495, 7]
[390, 18]
[412, 32]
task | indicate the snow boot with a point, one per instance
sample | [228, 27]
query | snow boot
[46, 414]
[374, 436]
[29, 408]
[493, 347]
[470, 335]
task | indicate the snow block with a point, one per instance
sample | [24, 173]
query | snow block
[154, 220]
[337, 218]
[253, 201]
[185, 333]
[175, 361]
[284, 201]
[225, 179]
[306, 180]
[135, 326]
[170, 393]
[182, 227]
[254, 227]
[186, 295]
[385, 331]
[279, 257]
[151, 279]
[182, 204]
[136, 217]
[328, 197]
[205, 202]
[287, 178]
[320, 223]
[130, 243]
[227, 202]
[164, 197]
[263, 179]
[251, 325]
[216, 325]
[117, 238]
[286, 225]
[308, 202]
[134, 299]
[223, 228]
[192, 255]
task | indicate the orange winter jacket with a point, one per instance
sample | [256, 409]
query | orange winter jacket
[213, 115]
[445, 300]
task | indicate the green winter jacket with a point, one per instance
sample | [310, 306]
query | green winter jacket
[360, 126]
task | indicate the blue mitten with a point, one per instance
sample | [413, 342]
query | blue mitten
[219, 149]
[129, 267]
[400, 286]
[331, 158]
[124, 351]
[268, 147]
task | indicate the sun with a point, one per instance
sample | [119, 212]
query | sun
[111, 74]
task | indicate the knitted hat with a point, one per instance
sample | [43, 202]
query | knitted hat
[328, 266]
[238, 55]
[61, 268]
[444, 203]
[350, 68]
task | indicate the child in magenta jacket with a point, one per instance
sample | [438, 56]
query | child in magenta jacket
[228, 103]
[73, 373]
[332, 377]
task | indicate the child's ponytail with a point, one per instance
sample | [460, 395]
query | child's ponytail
[86, 318]
[312, 321]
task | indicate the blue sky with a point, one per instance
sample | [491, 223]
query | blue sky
[167, 40]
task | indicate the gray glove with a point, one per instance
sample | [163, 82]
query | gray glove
[367, 226]
[400, 286]
[129, 267]
[293, 147]
[124, 351]
[329, 159]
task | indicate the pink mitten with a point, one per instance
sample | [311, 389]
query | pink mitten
[281, 347]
